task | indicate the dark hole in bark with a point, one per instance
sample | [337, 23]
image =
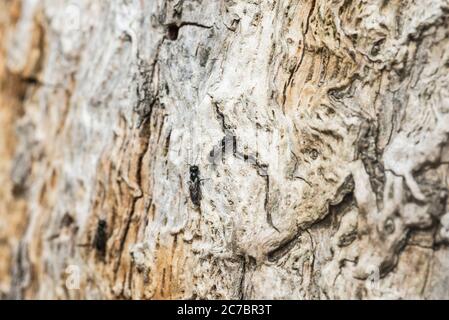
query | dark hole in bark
[172, 32]
[67, 220]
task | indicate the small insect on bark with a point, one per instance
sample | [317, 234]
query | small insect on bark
[101, 238]
[195, 185]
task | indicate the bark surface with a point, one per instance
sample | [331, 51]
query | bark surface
[319, 129]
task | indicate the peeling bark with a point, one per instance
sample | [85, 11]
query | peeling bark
[319, 129]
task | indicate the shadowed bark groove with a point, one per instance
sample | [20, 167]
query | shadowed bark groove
[319, 129]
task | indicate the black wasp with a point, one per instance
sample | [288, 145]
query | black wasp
[195, 185]
[101, 238]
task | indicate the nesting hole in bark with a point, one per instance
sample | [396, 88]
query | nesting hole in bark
[172, 31]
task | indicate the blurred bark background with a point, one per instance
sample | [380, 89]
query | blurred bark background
[319, 127]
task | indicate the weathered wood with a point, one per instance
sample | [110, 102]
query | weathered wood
[319, 128]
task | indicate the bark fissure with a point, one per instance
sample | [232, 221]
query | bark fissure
[324, 122]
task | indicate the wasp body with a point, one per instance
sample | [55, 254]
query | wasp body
[195, 185]
[101, 238]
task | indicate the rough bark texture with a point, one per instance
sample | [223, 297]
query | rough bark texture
[319, 127]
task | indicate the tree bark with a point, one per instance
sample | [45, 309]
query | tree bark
[319, 129]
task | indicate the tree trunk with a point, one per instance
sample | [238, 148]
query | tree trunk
[164, 149]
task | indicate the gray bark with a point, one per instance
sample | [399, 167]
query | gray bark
[319, 127]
